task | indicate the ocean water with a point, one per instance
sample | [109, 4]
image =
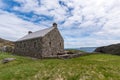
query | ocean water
[87, 49]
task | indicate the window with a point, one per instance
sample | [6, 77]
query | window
[20, 46]
[60, 44]
[35, 44]
[24, 45]
[16, 45]
[50, 43]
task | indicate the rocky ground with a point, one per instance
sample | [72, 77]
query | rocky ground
[6, 45]
[4, 42]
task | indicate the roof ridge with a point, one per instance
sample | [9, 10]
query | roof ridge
[39, 33]
[42, 29]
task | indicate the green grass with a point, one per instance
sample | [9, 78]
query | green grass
[90, 67]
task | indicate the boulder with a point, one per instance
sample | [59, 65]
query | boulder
[6, 60]
[9, 49]
[111, 49]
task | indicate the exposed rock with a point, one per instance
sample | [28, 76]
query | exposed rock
[74, 55]
[66, 55]
[6, 60]
[69, 52]
[60, 53]
[6, 45]
[7, 49]
[111, 49]
[65, 52]
[4, 42]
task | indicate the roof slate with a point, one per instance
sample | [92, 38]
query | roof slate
[36, 34]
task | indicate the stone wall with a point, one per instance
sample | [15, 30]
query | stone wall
[53, 43]
[32, 48]
[49, 45]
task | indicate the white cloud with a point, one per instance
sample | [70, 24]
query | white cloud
[48, 8]
[12, 27]
[88, 42]
[98, 19]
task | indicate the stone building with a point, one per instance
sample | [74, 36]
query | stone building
[40, 44]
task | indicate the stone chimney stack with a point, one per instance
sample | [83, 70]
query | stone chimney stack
[29, 32]
[55, 25]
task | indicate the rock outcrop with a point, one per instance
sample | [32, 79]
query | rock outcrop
[111, 49]
[6, 45]
[4, 42]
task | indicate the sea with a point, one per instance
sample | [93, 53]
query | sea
[86, 49]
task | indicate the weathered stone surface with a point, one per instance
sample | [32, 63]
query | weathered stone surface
[7, 49]
[74, 55]
[49, 45]
[31, 48]
[53, 43]
[111, 49]
[68, 52]
[6, 46]
[6, 60]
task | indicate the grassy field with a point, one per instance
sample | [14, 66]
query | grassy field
[91, 67]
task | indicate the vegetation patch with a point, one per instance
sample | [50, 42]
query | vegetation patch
[89, 67]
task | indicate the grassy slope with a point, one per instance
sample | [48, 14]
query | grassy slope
[91, 67]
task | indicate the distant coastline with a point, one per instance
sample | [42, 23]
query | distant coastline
[85, 49]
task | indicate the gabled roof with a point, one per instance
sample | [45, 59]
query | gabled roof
[36, 34]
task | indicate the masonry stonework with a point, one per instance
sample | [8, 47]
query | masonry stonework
[48, 45]
[53, 43]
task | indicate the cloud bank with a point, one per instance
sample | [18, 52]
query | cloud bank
[81, 22]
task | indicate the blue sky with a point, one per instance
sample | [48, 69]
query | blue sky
[82, 23]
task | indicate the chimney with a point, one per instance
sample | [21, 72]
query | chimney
[29, 32]
[55, 25]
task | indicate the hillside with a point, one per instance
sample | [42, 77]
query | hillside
[90, 67]
[110, 49]
[4, 42]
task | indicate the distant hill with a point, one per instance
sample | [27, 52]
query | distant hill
[111, 49]
[4, 42]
